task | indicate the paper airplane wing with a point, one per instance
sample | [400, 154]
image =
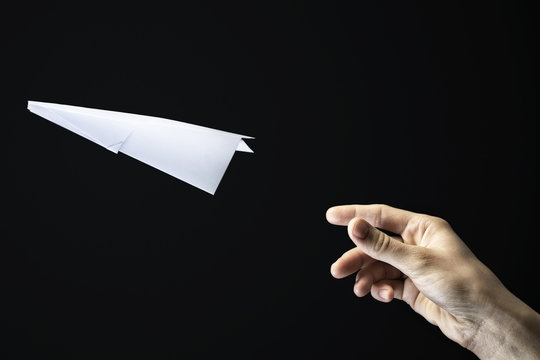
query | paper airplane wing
[195, 154]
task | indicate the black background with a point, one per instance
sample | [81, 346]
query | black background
[426, 107]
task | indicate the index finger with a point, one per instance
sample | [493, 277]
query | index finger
[381, 216]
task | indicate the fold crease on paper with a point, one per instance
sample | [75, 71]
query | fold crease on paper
[195, 154]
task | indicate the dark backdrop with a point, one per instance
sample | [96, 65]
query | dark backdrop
[426, 107]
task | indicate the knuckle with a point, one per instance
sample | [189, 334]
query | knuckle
[416, 225]
[381, 243]
[381, 207]
[439, 221]
[379, 214]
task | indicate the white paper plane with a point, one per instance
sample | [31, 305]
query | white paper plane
[195, 154]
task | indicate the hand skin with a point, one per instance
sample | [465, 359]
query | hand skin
[430, 268]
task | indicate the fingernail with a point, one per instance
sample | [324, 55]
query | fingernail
[385, 294]
[361, 229]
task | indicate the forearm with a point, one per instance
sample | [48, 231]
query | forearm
[512, 330]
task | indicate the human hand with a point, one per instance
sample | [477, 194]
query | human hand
[430, 268]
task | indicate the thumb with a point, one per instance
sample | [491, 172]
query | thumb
[380, 246]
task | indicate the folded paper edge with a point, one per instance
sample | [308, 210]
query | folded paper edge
[242, 146]
[113, 147]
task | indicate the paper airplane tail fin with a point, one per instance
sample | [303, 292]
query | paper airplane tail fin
[242, 146]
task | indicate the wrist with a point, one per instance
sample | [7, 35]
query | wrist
[510, 329]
